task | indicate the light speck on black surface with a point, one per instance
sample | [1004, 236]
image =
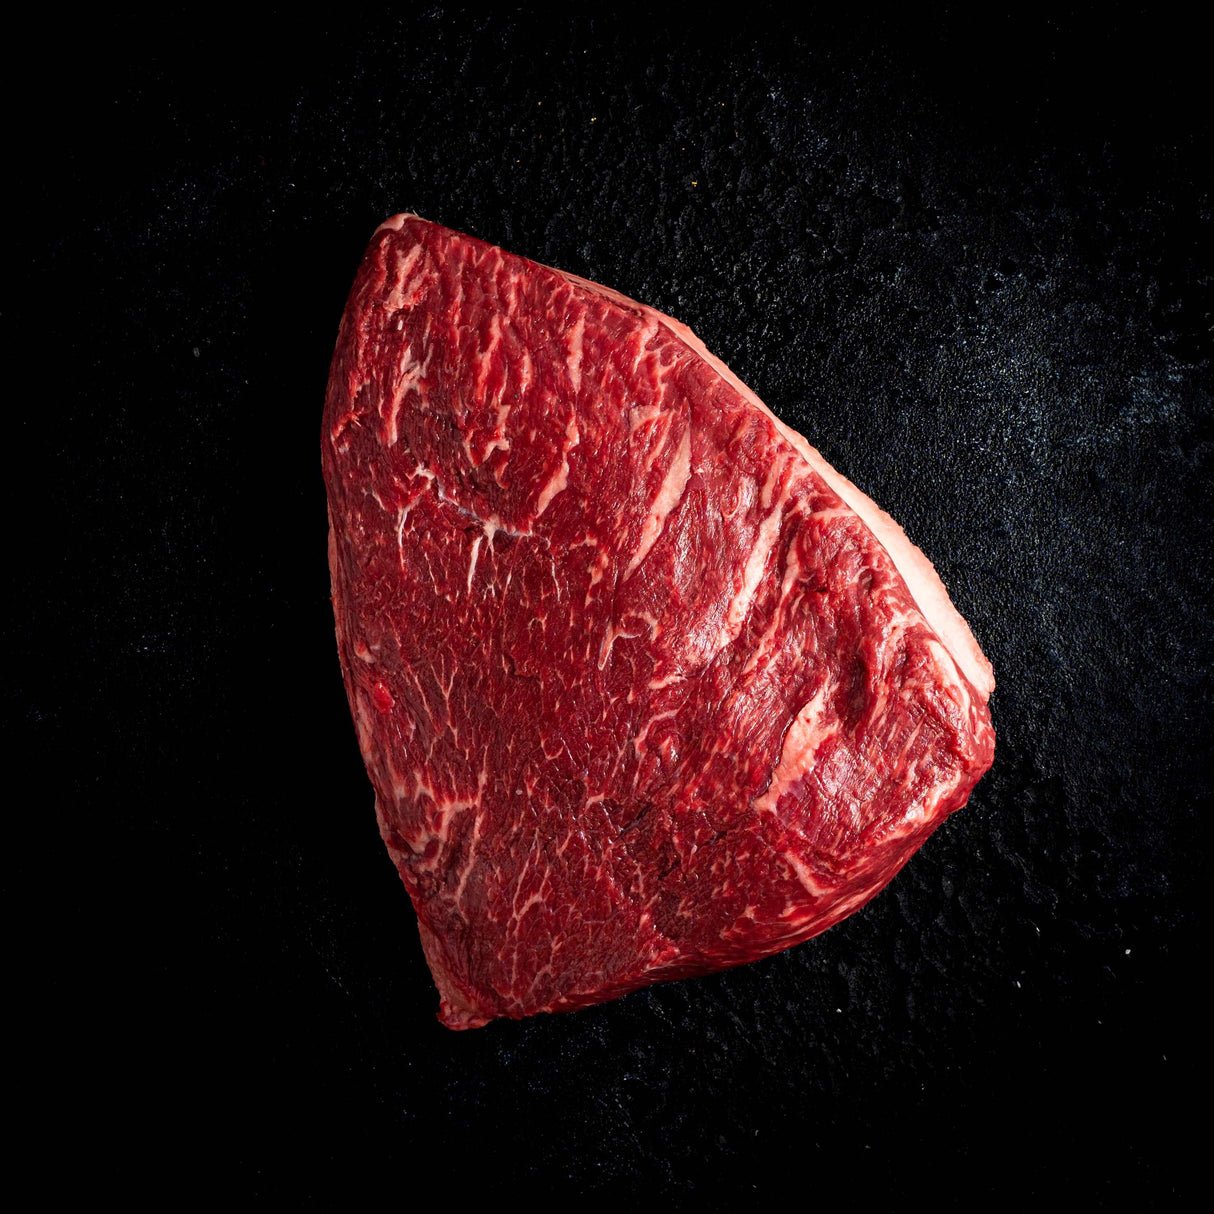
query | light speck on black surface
[970, 262]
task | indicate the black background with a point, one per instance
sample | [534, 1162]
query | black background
[969, 259]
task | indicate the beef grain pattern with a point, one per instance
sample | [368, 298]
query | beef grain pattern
[645, 688]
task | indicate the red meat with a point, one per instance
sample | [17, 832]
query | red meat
[644, 687]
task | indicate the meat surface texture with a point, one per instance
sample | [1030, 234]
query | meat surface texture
[644, 687]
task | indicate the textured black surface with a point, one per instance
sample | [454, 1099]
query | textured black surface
[971, 264]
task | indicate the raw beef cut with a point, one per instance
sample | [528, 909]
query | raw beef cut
[644, 687]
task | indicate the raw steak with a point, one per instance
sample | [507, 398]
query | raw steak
[645, 688]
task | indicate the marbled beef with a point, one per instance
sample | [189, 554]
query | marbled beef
[644, 687]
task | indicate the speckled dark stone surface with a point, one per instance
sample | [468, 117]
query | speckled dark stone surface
[971, 264]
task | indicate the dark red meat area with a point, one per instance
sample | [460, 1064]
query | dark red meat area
[639, 696]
